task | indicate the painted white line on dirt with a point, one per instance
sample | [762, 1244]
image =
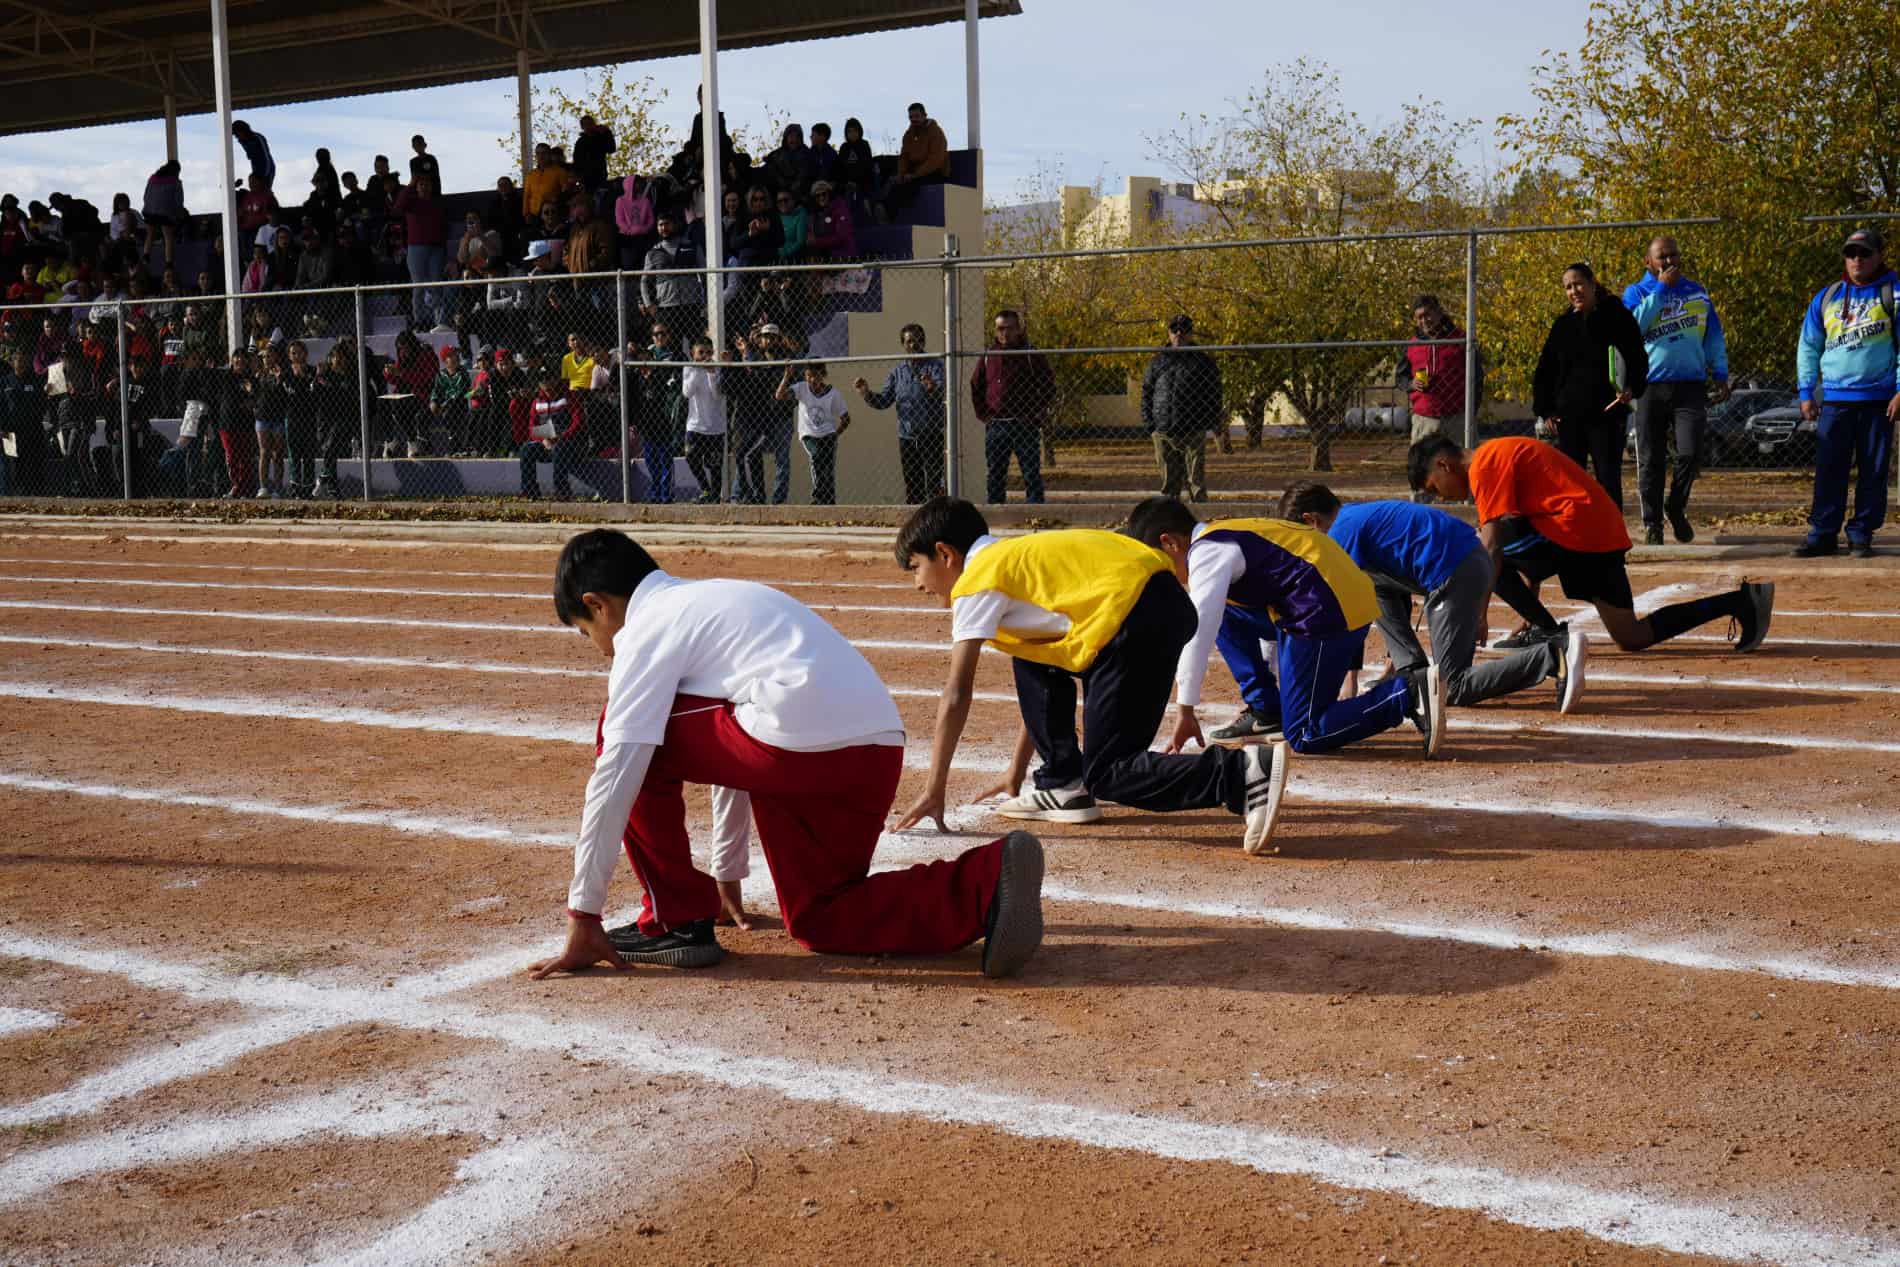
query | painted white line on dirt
[495, 1193]
[189, 1059]
[401, 592]
[904, 848]
[1306, 786]
[301, 569]
[63, 640]
[21, 1020]
[1717, 734]
[356, 1114]
[1625, 1217]
[296, 618]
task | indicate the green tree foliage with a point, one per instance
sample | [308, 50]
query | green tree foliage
[630, 106]
[1758, 111]
[1292, 161]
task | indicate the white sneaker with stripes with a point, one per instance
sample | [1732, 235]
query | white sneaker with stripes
[1266, 785]
[1071, 804]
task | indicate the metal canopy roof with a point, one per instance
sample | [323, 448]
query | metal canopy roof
[69, 63]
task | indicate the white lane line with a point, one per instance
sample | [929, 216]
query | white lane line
[1635, 1217]
[400, 591]
[21, 1020]
[1311, 784]
[410, 622]
[300, 569]
[1717, 734]
[358, 1113]
[496, 1193]
[63, 640]
[909, 847]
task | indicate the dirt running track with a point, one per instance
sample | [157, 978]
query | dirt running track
[286, 818]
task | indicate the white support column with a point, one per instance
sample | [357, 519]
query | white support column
[709, 149]
[171, 128]
[972, 92]
[524, 107]
[233, 258]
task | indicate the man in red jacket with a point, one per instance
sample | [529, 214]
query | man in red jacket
[1434, 373]
[1013, 390]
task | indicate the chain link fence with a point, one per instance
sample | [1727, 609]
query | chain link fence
[1215, 370]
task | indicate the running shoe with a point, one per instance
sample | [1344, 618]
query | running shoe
[1570, 662]
[1760, 609]
[1071, 804]
[688, 946]
[1012, 929]
[1426, 708]
[1266, 786]
[1247, 727]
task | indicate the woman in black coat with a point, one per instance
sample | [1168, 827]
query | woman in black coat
[1593, 365]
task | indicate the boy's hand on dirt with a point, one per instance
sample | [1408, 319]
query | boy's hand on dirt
[732, 906]
[929, 805]
[1008, 785]
[1186, 726]
[587, 945]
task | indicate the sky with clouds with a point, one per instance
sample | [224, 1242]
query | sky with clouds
[1075, 87]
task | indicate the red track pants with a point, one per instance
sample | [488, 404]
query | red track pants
[240, 459]
[819, 815]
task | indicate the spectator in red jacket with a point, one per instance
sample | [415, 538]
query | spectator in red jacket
[557, 434]
[1434, 373]
[833, 234]
[1013, 390]
[426, 232]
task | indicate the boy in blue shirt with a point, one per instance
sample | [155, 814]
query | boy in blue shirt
[1408, 550]
[1849, 343]
[1683, 336]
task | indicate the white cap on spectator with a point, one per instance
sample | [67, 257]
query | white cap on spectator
[768, 328]
[537, 249]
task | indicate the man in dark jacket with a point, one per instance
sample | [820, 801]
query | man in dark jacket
[1013, 391]
[1180, 405]
[591, 149]
[1592, 366]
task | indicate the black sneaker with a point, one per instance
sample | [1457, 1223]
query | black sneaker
[1817, 549]
[1759, 598]
[1531, 636]
[688, 946]
[1247, 727]
[1652, 535]
[1861, 549]
[1679, 522]
[1012, 930]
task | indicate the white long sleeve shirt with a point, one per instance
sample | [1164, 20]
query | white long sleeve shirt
[1212, 570]
[705, 407]
[792, 680]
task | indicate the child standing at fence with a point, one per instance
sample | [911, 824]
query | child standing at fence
[704, 388]
[272, 414]
[237, 422]
[301, 419]
[448, 399]
[822, 420]
[336, 404]
[663, 417]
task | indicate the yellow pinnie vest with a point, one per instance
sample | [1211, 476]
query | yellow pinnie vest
[1091, 576]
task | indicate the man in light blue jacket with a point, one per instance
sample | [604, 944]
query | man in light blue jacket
[1683, 336]
[1850, 345]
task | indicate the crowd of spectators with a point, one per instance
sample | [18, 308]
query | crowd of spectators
[517, 358]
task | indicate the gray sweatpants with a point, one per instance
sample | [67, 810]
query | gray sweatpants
[1453, 613]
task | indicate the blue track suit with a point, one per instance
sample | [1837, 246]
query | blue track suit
[1257, 580]
[1682, 334]
[1848, 346]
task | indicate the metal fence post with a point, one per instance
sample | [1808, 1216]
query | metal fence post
[952, 376]
[362, 384]
[626, 427]
[125, 412]
[1471, 341]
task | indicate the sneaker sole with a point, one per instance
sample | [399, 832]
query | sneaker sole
[1576, 657]
[678, 957]
[1262, 819]
[1017, 932]
[1246, 741]
[1435, 688]
[1088, 815]
[1764, 611]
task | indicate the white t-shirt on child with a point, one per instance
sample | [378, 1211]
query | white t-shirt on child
[818, 415]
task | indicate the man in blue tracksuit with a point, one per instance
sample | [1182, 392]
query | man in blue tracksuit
[1683, 336]
[1413, 551]
[1850, 344]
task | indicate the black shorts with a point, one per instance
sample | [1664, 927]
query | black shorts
[1586, 577]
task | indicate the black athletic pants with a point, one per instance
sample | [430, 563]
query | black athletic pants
[1598, 443]
[1124, 696]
